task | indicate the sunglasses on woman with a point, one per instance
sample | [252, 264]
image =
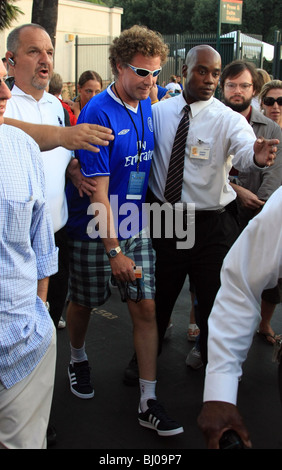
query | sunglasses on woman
[269, 101]
[144, 72]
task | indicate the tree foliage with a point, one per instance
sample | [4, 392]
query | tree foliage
[8, 13]
[260, 17]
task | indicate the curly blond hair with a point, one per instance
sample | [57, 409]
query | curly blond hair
[137, 39]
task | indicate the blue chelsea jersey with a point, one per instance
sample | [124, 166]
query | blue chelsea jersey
[133, 132]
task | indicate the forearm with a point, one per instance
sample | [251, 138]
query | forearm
[231, 315]
[236, 309]
[104, 219]
[247, 198]
[236, 188]
[247, 271]
[121, 265]
[47, 137]
[83, 136]
[42, 288]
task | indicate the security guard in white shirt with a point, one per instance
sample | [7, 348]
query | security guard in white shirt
[215, 132]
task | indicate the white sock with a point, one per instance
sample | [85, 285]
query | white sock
[148, 392]
[78, 355]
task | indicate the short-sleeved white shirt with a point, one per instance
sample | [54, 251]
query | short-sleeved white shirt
[48, 110]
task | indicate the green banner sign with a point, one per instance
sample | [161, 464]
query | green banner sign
[231, 11]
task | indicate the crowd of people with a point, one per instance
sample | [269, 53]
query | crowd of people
[73, 223]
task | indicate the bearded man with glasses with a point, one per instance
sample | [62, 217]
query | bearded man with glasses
[254, 187]
[119, 244]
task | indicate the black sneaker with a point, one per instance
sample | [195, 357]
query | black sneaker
[155, 418]
[79, 375]
[131, 373]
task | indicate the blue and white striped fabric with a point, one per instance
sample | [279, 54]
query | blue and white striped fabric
[27, 254]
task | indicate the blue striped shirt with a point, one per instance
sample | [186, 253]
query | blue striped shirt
[27, 254]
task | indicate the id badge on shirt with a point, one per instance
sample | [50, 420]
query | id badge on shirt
[200, 151]
[136, 185]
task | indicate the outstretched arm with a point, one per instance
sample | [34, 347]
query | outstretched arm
[253, 264]
[82, 136]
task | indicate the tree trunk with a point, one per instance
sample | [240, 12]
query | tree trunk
[45, 13]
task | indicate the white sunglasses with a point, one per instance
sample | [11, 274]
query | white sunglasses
[144, 72]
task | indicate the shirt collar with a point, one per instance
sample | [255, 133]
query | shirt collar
[18, 92]
[116, 98]
[195, 107]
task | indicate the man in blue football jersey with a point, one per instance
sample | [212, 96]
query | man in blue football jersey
[107, 231]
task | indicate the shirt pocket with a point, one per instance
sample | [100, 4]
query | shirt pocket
[201, 150]
[18, 216]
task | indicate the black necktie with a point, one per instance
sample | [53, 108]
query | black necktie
[174, 180]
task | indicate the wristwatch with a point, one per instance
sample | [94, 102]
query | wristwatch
[114, 252]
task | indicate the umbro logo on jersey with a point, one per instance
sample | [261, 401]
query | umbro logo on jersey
[124, 131]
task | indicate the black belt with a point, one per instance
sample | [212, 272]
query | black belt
[208, 212]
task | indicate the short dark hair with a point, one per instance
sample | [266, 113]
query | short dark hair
[235, 68]
[89, 75]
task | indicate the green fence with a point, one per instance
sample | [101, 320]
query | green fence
[179, 46]
[92, 53]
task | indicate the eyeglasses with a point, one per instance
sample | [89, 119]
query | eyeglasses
[242, 86]
[144, 72]
[269, 101]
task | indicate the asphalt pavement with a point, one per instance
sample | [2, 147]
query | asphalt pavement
[108, 423]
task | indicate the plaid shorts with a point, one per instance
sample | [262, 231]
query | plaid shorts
[90, 270]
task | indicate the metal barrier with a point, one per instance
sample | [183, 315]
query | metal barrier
[92, 53]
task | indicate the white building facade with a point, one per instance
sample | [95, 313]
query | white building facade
[76, 19]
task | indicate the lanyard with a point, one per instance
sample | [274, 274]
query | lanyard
[138, 141]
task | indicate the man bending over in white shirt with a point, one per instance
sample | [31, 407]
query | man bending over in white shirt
[253, 264]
